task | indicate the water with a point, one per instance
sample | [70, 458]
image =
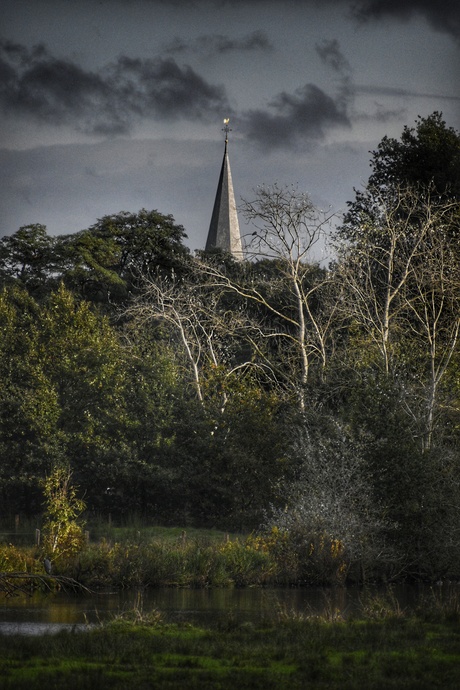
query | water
[40, 613]
[48, 613]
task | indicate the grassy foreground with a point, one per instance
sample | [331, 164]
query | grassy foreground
[393, 653]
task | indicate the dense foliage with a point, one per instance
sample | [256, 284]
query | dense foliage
[269, 393]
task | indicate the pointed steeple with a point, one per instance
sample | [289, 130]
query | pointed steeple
[224, 229]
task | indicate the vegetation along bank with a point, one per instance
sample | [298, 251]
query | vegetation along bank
[314, 407]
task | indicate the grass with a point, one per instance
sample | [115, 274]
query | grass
[135, 529]
[125, 557]
[139, 556]
[143, 652]
[171, 534]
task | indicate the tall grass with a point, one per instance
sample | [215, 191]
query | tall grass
[142, 651]
[182, 563]
[133, 556]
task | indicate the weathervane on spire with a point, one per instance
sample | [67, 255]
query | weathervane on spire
[224, 229]
[226, 129]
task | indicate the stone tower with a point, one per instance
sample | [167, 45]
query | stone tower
[224, 229]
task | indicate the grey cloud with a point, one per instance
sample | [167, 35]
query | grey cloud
[382, 114]
[161, 88]
[219, 44]
[443, 16]
[305, 116]
[398, 92]
[385, 114]
[295, 119]
[107, 101]
[331, 54]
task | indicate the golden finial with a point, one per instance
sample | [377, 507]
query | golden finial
[226, 128]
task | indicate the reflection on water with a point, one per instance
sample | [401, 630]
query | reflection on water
[42, 613]
[38, 628]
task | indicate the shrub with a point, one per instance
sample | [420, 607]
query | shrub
[14, 559]
[330, 526]
[63, 535]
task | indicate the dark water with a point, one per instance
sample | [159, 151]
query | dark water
[41, 614]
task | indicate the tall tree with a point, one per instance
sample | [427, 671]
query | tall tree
[398, 260]
[83, 358]
[427, 157]
[27, 257]
[29, 406]
[285, 295]
[106, 260]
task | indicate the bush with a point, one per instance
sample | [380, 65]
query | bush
[63, 536]
[330, 527]
[14, 559]
[179, 564]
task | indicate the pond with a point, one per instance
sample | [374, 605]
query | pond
[42, 613]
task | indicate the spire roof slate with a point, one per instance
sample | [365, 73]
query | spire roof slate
[224, 229]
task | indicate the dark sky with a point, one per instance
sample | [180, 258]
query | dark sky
[118, 104]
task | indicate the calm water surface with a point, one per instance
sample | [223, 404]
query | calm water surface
[48, 613]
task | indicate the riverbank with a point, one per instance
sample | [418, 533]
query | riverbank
[140, 559]
[139, 556]
[142, 651]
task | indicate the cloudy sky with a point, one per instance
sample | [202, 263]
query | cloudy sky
[110, 105]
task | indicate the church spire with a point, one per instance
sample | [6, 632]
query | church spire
[224, 229]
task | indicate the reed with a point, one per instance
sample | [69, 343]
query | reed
[178, 563]
[201, 558]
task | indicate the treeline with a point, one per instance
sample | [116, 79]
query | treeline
[278, 392]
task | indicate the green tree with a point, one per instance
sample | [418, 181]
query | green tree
[229, 461]
[85, 362]
[63, 535]
[225, 457]
[398, 270]
[27, 257]
[105, 261]
[74, 390]
[418, 492]
[29, 407]
[426, 157]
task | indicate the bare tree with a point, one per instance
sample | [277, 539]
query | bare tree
[377, 267]
[207, 331]
[433, 301]
[287, 228]
[161, 301]
[400, 284]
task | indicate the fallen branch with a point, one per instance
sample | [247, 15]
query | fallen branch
[12, 584]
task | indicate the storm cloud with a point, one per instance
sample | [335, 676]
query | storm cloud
[108, 101]
[295, 119]
[300, 118]
[221, 44]
[443, 16]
